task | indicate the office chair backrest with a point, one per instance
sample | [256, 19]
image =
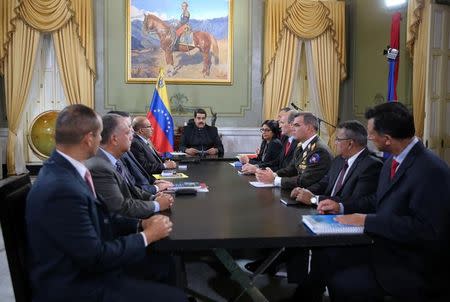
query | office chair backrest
[13, 192]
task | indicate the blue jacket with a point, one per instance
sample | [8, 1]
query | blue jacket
[75, 246]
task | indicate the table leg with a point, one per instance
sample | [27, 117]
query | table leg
[241, 277]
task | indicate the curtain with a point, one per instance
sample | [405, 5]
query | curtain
[18, 73]
[417, 44]
[70, 21]
[315, 104]
[278, 87]
[321, 22]
[77, 78]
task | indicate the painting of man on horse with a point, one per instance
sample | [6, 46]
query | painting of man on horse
[188, 48]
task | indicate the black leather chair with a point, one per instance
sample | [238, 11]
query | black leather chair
[13, 194]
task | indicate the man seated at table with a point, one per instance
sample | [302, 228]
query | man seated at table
[408, 221]
[142, 178]
[143, 149]
[200, 138]
[112, 180]
[75, 252]
[311, 160]
[353, 175]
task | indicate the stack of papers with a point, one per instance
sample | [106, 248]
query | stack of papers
[249, 155]
[325, 224]
[178, 153]
[259, 184]
[173, 176]
[198, 186]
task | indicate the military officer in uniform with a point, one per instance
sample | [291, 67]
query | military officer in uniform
[312, 157]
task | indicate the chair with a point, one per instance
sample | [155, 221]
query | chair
[13, 192]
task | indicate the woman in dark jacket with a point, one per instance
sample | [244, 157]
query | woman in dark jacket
[269, 152]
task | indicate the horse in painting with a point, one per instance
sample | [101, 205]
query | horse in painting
[204, 41]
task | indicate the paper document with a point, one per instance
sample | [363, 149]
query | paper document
[174, 176]
[249, 155]
[325, 224]
[178, 153]
[258, 184]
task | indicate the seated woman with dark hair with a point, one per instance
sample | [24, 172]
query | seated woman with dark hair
[269, 152]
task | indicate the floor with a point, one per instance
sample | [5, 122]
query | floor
[207, 281]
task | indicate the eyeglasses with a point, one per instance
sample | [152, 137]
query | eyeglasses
[262, 130]
[147, 127]
[338, 139]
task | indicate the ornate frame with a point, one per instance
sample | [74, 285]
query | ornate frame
[147, 56]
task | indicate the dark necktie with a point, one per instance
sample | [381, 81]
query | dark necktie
[288, 146]
[340, 180]
[120, 170]
[88, 179]
[394, 167]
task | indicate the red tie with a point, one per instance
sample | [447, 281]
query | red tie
[394, 167]
[288, 145]
[88, 179]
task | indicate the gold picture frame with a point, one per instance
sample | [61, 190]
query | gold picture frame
[194, 46]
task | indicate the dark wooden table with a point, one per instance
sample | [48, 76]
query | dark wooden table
[233, 214]
[236, 215]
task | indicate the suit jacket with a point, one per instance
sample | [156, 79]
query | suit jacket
[148, 158]
[73, 242]
[269, 154]
[120, 196]
[411, 225]
[308, 166]
[361, 180]
[141, 178]
[285, 159]
[212, 139]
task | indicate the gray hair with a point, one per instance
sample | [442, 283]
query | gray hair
[355, 130]
[111, 123]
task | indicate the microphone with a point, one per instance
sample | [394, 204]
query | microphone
[295, 107]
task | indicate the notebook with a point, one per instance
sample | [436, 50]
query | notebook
[325, 224]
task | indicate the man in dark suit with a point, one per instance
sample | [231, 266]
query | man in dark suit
[199, 138]
[311, 160]
[113, 181]
[142, 178]
[288, 139]
[74, 247]
[143, 150]
[353, 175]
[408, 221]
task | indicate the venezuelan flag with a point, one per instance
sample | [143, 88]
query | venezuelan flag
[160, 117]
[394, 64]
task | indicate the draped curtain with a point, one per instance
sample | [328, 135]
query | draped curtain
[321, 22]
[417, 44]
[70, 22]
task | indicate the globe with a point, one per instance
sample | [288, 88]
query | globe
[41, 134]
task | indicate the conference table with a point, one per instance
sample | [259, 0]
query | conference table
[236, 215]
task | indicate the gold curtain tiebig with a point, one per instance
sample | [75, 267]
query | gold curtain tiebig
[45, 15]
